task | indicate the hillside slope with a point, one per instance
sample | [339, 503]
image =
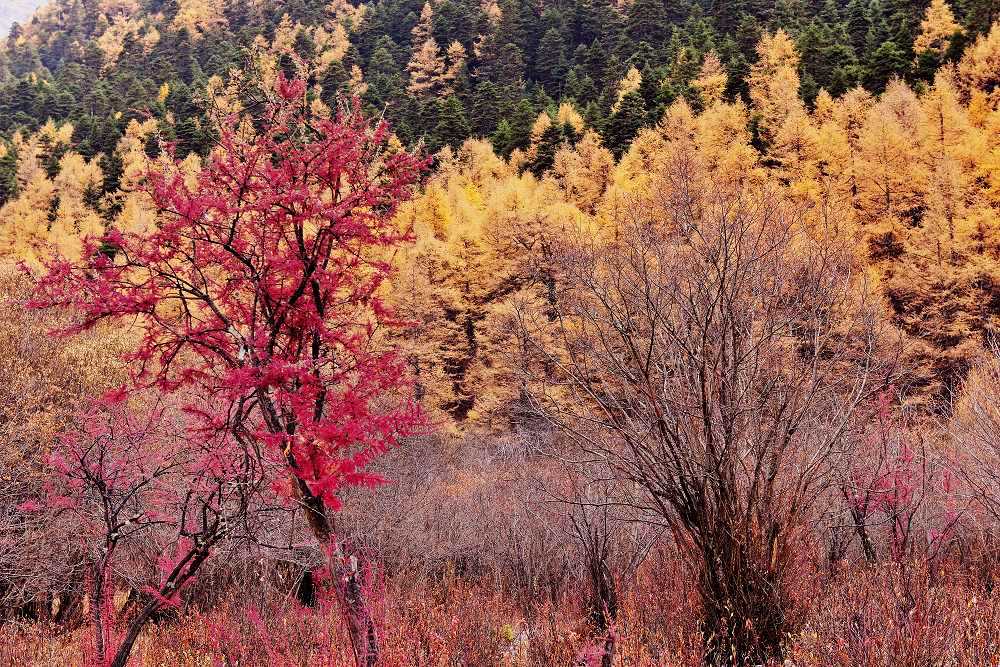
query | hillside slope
[451, 69]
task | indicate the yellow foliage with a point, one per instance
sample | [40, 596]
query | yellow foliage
[53, 212]
[112, 41]
[223, 97]
[151, 38]
[568, 115]
[330, 45]
[42, 376]
[424, 28]
[583, 172]
[979, 68]
[491, 8]
[890, 175]
[724, 140]
[796, 150]
[455, 56]
[346, 14]
[131, 148]
[542, 123]
[915, 174]
[427, 69]
[630, 84]
[486, 240]
[937, 29]
[356, 85]
[136, 210]
[284, 34]
[477, 164]
[642, 159]
[712, 80]
[199, 16]
[825, 106]
[774, 82]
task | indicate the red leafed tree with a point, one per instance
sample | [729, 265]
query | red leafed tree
[258, 292]
[133, 485]
[885, 478]
[892, 482]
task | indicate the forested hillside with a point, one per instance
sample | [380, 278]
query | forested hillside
[672, 326]
[447, 70]
[92, 89]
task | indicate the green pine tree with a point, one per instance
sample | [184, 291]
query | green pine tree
[452, 125]
[625, 124]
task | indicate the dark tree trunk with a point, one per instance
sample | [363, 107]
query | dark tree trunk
[862, 529]
[743, 616]
[350, 590]
[605, 609]
[97, 611]
[181, 575]
[305, 592]
[134, 629]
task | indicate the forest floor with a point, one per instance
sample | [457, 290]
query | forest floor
[860, 615]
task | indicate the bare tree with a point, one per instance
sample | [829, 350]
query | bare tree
[612, 545]
[975, 428]
[712, 350]
[134, 485]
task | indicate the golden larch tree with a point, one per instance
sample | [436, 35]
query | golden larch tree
[937, 29]
[979, 68]
[774, 82]
[712, 80]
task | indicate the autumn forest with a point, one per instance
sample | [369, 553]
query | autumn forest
[593, 333]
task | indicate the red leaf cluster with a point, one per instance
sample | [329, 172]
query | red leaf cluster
[258, 291]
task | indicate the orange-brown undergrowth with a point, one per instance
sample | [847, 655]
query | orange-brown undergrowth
[859, 616]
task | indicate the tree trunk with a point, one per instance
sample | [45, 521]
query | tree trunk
[350, 590]
[605, 607]
[862, 529]
[134, 628]
[731, 640]
[182, 573]
[743, 616]
[364, 636]
[97, 612]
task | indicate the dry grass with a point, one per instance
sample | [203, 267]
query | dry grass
[860, 616]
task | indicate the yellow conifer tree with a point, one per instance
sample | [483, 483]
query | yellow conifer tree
[937, 29]
[712, 80]
[774, 82]
[630, 84]
[979, 68]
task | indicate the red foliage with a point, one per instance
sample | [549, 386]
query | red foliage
[258, 290]
[884, 478]
[891, 479]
